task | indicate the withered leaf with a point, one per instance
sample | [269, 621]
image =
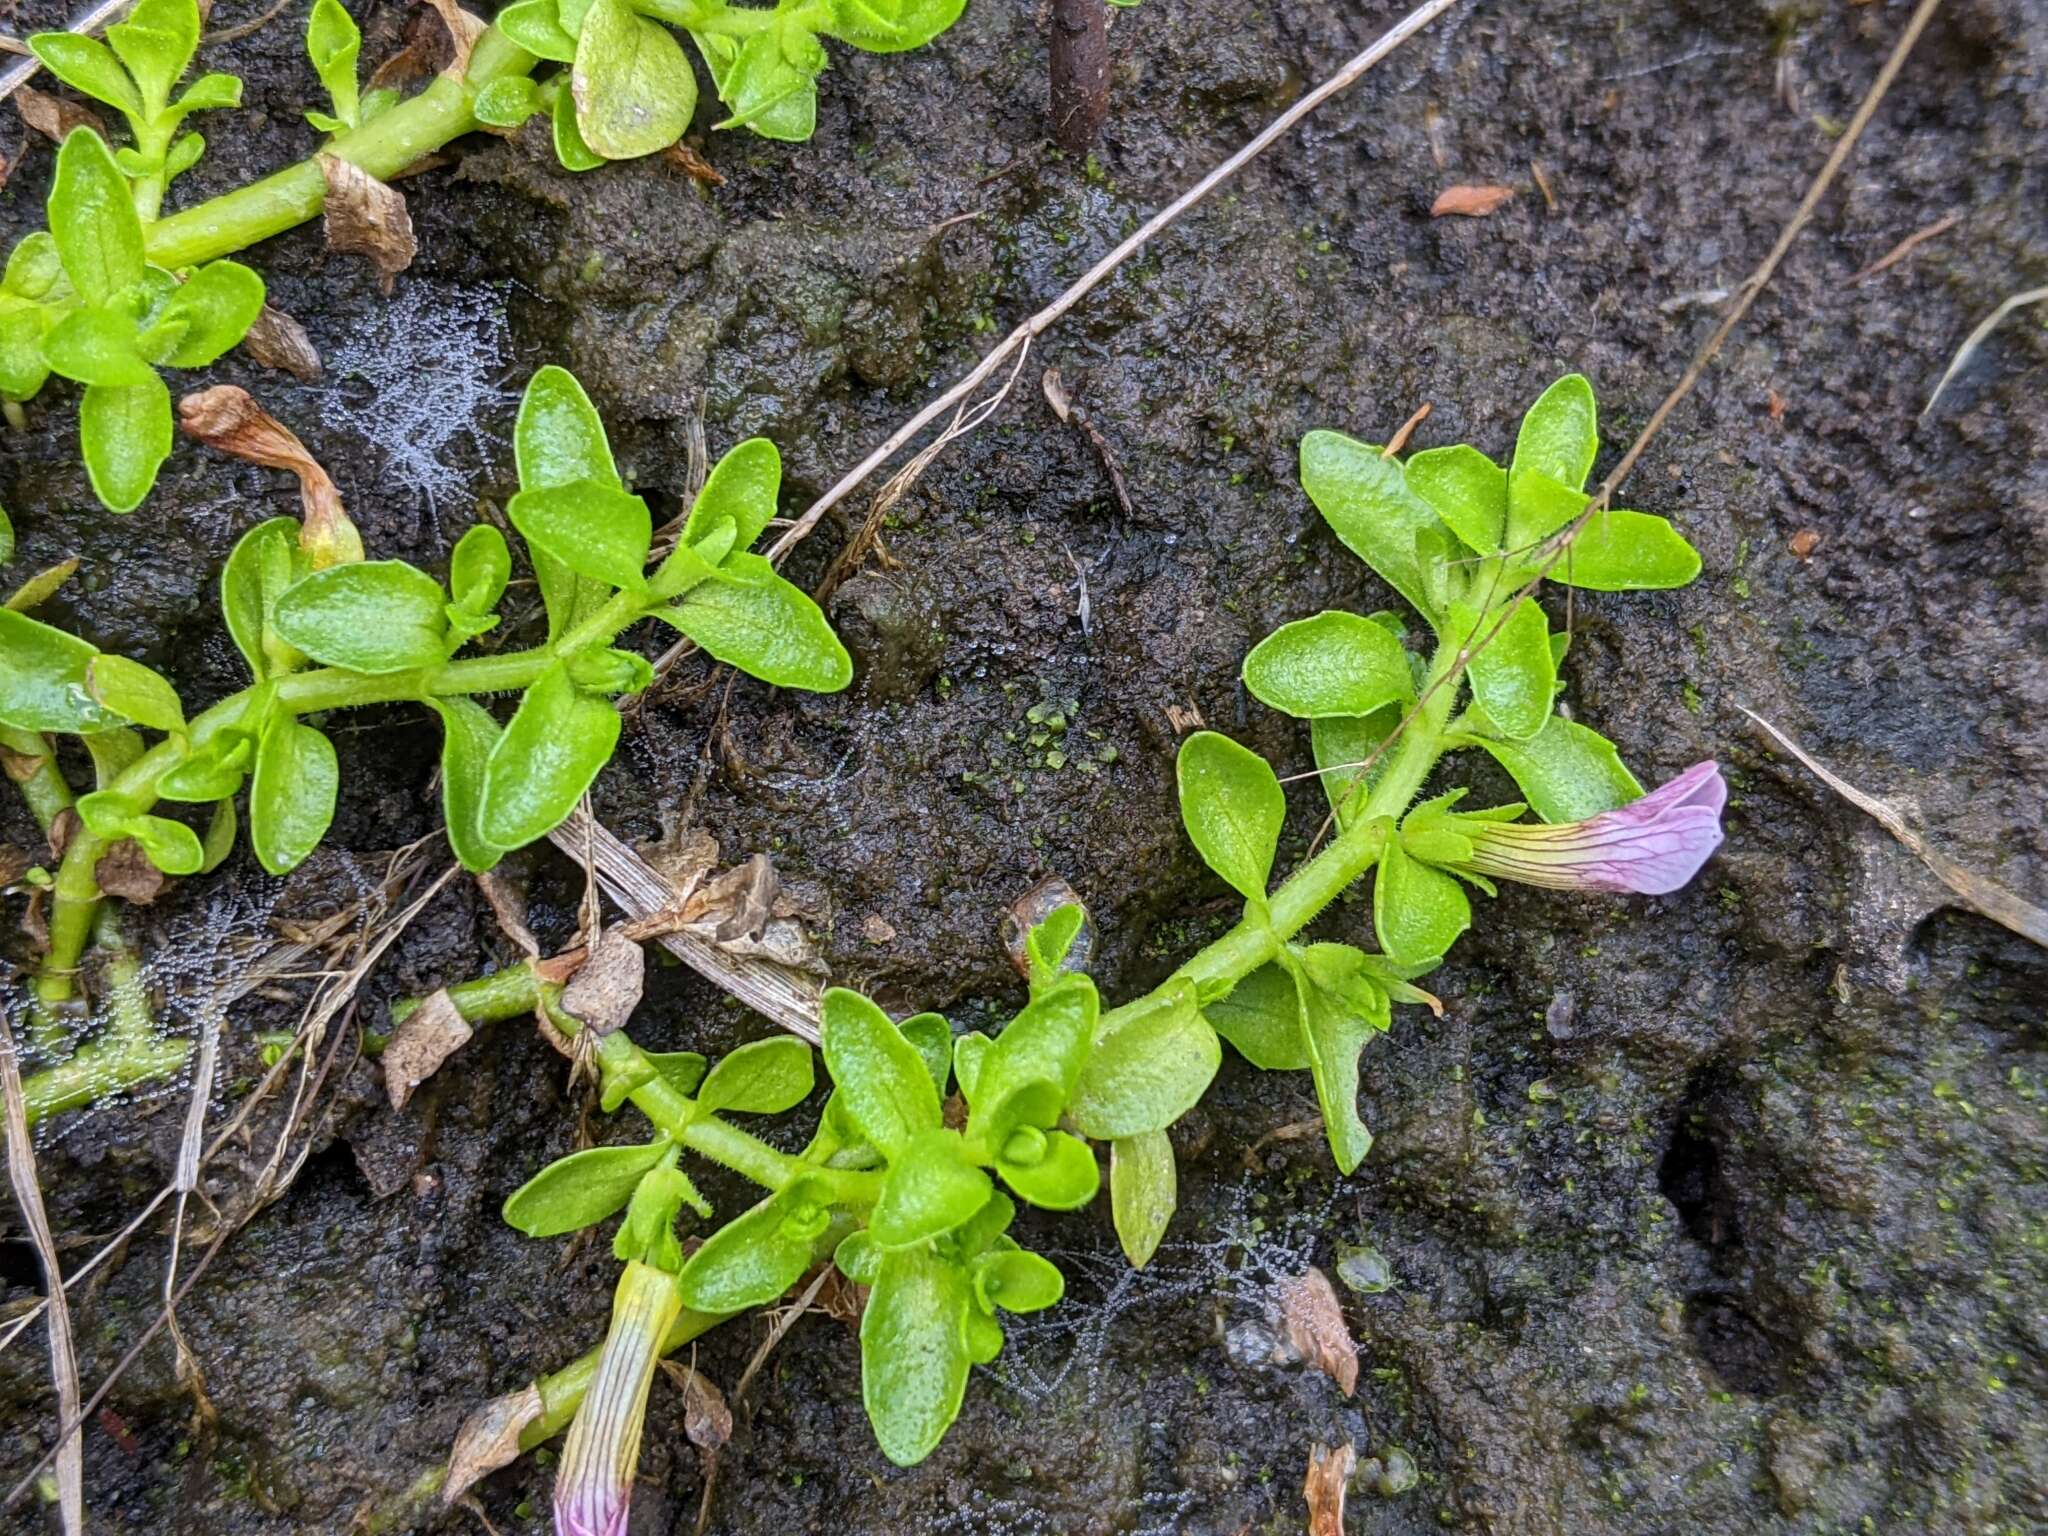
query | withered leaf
[414, 61]
[1329, 1472]
[489, 1439]
[707, 1421]
[124, 870]
[686, 158]
[55, 116]
[463, 30]
[431, 1033]
[507, 900]
[13, 863]
[227, 417]
[683, 857]
[606, 989]
[364, 217]
[1314, 1320]
[276, 340]
[33, 923]
[63, 827]
[1469, 202]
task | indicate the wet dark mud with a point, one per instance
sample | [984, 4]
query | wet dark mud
[1721, 1211]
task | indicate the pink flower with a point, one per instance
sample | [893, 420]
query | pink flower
[1649, 847]
[594, 1489]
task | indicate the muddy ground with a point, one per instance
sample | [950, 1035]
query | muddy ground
[1721, 1211]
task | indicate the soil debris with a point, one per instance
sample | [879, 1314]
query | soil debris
[278, 341]
[430, 1034]
[1329, 1474]
[1314, 1320]
[1469, 202]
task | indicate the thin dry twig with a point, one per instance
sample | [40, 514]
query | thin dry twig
[1980, 895]
[784, 1321]
[1907, 246]
[1975, 340]
[21, 1170]
[1039, 323]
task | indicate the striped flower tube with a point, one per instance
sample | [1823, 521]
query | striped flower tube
[1649, 847]
[594, 1489]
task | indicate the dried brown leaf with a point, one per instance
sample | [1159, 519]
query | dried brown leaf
[1329, 1474]
[55, 116]
[682, 858]
[34, 925]
[707, 1421]
[507, 900]
[1469, 202]
[606, 987]
[276, 340]
[431, 1033]
[463, 30]
[124, 870]
[414, 61]
[489, 1439]
[20, 767]
[364, 217]
[1314, 1320]
[686, 158]
[63, 827]
[13, 863]
[228, 418]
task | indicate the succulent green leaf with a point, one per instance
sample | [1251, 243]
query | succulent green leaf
[22, 369]
[1337, 742]
[209, 93]
[635, 92]
[559, 439]
[6, 537]
[373, 616]
[1063, 1178]
[33, 267]
[763, 625]
[216, 306]
[596, 530]
[1466, 489]
[534, 26]
[134, 692]
[913, 1352]
[219, 841]
[758, 1255]
[1622, 551]
[880, 1077]
[93, 220]
[1233, 808]
[1335, 663]
[334, 43]
[1143, 1191]
[1027, 1074]
[1367, 503]
[1148, 1072]
[156, 42]
[930, 1189]
[742, 486]
[762, 1077]
[570, 149]
[581, 1189]
[88, 65]
[890, 26]
[291, 794]
[478, 569]
[213, 772]
[468, 735]
[124, 432]
[97, 346]
[551, 750]
[648, 1234]
[1341, 1009]
[508, 102]
[1016, 1281]
[1560, 434]
[43, 679]
[858, 1257]
[969, 1052]
[1048, 944]
[1261, 1017]
[1566, 771]
[1417, 911]
[1538, 506]
[1514, 674]
[769, 82]
[171, 846]
[933, 1037]
[259, 570]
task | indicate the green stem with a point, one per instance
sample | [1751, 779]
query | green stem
[413, 129]
[1256, 940]
[130, 1052]
[32, 764]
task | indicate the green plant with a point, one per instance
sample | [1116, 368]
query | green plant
[916, 1203]
[114, 290]
[320, 631]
